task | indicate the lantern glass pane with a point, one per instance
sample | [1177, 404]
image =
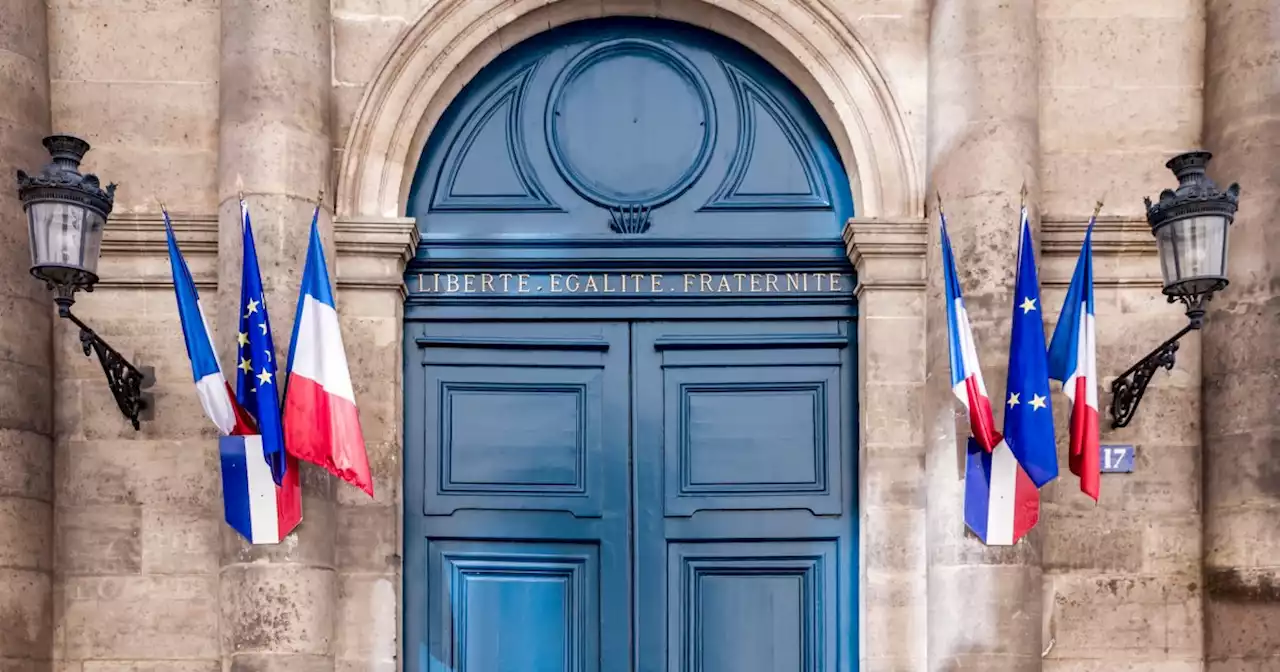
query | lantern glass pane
[92, 249]
[64, 235]
[1193, 253]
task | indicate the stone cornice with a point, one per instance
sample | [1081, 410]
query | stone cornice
[887, 253]
[1112, 236]
[142, 234]
[1124, 251]
[395, 237]
[373, 251]
[133, 243]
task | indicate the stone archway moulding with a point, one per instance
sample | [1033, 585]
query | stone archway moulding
[452, 39]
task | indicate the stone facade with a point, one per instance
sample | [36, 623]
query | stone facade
[113, 553]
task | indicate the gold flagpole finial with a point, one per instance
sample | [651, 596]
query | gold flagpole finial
[937, 195]
[239, 187]
[320, 197]
[1022, 203]
[159, 200]
[1097, 207]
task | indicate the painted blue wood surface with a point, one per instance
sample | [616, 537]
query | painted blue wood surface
[630, 481]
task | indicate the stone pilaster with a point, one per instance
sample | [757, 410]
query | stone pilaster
[889, 257]
[985, 603]
[277, 602]
[26, 403]
[371, 291]
[1241, 394]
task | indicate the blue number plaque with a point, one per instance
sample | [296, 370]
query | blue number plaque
[1117, 459]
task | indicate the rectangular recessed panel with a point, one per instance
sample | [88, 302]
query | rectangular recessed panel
[753, 437]
[750, 622]
[516, 606]
[751, 607]
[516, 437]
[507, 438]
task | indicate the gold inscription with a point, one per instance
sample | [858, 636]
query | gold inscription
[632, 283]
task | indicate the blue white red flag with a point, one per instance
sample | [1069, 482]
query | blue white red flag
[1073, 362]
[1028, 417]
[321, 422]
[261, 488]
[1001, 504]
[212, 388]
[966, 375]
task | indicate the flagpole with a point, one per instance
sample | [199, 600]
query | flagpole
[284, 389]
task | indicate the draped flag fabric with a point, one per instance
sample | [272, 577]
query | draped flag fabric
[211, 386]
[1073, 362]
[261, 488]
[257, 389]
[1028, 417]
[321, 422]
[966, 375]
[1000, 503]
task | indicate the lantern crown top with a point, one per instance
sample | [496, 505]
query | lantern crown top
[61, 178]
[1196, 193]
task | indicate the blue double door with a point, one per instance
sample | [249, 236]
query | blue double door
[631, 496]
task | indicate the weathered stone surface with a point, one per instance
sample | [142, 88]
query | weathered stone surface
[368, 539]
[281, 663]
[139, 617]
[99, 540]
[277, 601]
[1241, 364]
[368, 617]
[26, 384]
[277, 608]
[984, 602]
[26, 614]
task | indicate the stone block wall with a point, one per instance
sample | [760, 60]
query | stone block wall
[125, 563]
[1121, 91]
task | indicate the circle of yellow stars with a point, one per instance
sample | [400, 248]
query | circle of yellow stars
[246, 363]
[1037, 402]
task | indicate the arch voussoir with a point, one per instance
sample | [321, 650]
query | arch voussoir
[452, 39]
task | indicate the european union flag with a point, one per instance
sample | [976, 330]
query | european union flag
[256, 384]
[1028, 416]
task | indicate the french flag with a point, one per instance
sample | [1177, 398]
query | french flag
[1073, 362]
[212, 388]
[321, 423]
[966, 375]
[1001, 504]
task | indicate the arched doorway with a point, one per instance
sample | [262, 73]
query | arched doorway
[630, 396]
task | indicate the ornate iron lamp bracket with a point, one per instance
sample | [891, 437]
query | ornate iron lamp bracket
[1128, 388]
[125, 380]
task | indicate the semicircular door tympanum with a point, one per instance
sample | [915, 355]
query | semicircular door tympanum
[639, 480]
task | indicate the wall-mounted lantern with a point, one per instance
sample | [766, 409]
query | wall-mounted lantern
[1190, 225]
[66, 215]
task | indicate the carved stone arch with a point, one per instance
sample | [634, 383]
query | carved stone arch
[453, 39]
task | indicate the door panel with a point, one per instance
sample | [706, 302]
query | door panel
[522, 546]
[745, 525]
